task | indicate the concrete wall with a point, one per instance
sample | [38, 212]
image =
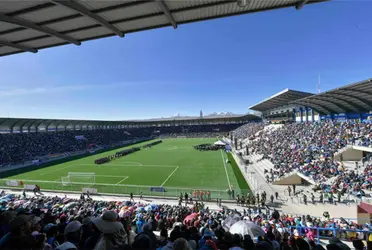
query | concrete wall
[354, 153]
[289, 180]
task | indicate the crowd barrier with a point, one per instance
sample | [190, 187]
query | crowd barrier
[121, 189]
[326, 233]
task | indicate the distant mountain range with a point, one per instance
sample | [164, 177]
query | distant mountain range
[221, 114]
[178, 116]
[214, 114]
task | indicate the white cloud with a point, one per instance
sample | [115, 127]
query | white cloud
[40, 90]
[13, 92]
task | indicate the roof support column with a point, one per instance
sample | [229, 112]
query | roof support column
[312, 115]
[301, 4]
[167, 13]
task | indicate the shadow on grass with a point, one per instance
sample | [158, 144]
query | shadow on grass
[243, 185]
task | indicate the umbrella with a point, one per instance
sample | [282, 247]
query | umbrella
[140, 209]
[247, 228]
[154, 207]
[230, 220]
[148, 208]
[19, 202]
[127, 203]
[190, 217]
[70, 205]
[7, 197]
[123, 214]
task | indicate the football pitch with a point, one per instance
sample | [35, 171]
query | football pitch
[173, 164]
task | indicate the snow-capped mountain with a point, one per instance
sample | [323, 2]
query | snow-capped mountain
[225, 113]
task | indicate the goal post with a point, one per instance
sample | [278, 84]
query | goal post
[84, 177]
[65, 180]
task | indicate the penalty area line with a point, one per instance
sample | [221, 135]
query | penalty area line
[122, 180]
[55, 170]
[170, 175]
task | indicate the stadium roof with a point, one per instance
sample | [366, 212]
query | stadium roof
[353, 98]
[12, 123]
[36, 24]
[280, 99]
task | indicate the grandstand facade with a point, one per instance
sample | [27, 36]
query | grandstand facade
[27, 125]
[350, 102]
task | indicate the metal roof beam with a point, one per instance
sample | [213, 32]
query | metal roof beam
[85, 12]
[341, 107]
[301, 4]
[336, 103]
[18, 46]
[358, 98]
[167, 13]
[356, 91]
[316, 107]
[357, 107]
[30, 25]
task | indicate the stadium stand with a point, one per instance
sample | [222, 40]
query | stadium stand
[54, 143]
[309, 148]
[43, 144]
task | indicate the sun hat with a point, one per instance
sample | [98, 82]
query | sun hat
[107, 223]
[72, 227]
[87, 220]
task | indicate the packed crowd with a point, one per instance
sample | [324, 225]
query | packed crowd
[197, 131]
[310, 148]
[62, 223]
[193, 135]
[22, 147]
[248, 130]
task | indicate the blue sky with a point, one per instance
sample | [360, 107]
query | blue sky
[219, 65]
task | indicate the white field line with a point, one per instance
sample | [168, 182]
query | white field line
[113, 176]
[132, 162]
[170, 175]
[122, 180]
[126, 165]
[55, 170]
[224, 166]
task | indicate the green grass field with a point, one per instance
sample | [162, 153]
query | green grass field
[173, 164]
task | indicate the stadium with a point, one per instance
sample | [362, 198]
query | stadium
[294, 172]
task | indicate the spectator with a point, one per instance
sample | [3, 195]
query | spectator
[113, 233]
[72, 236]
[181, 244]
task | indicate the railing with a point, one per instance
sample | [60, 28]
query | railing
[323, 233]
[120, 189]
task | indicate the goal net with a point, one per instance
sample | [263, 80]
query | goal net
[79, 177]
